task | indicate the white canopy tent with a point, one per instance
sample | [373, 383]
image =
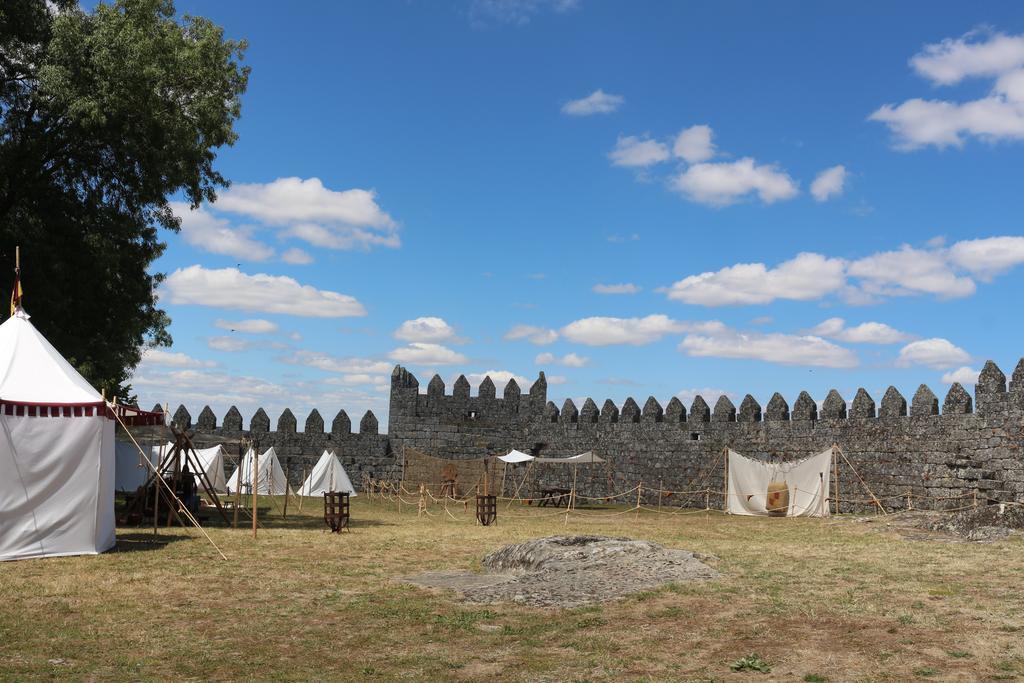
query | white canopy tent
[270, 478]
[210, 459]
[807, 481]
[581, 459]
[328, 475]
[515, 456]
[56, 452]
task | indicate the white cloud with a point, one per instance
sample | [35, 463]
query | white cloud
[348, 366]
[964, 375]
[220, 390]
[709, 394]
[202, 229]
[604, 331]
[173, 359]
[597, 102]
[637, 152]
[304, 208]
[917, 123]
[952, 60]
[784, 349]
[865, 333]
[515, 12]
[422, 353]
[935, 353]
[808, 276]
[624, 288]
[500, 378]
[228, 344]
[988, 257]
[251, 326]
[569, 360]
[725, 183]
[694, 144]
[945, 272]
[296, 257]
[910, 271]
[535, 335]
[997, 116]
[829, 183]
[425, 329]
[231, 288]
[289, 200]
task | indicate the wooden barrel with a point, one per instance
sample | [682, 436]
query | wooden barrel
[778, 499]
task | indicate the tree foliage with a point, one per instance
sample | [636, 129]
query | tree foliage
[104, 116]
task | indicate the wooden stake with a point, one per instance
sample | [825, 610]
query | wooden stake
[910, 504]
[639, 492]
[862, 482]
[975, 497]
[661, 485]
[254, 484]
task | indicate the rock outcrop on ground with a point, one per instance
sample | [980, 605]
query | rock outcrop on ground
[571, 571]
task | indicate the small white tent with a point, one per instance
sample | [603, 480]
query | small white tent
[56, 452]
[270, 478]
[807, 481]
[327, 475]
[211, 460]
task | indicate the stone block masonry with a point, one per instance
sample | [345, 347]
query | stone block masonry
[943, 458]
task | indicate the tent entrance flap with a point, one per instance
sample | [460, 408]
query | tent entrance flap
[754, 486]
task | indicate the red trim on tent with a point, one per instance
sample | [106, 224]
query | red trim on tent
[130, 415]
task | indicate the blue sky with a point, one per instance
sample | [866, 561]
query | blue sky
[723, 197]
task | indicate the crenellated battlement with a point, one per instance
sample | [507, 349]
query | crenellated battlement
[931, 447]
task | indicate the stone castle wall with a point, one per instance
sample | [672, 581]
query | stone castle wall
[973, 444]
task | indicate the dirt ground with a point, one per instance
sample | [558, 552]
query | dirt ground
[838, 599]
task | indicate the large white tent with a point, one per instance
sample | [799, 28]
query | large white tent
[807, 481]
[327, 475]
[270, 478]
[56, 452]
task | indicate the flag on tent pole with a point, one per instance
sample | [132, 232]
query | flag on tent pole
[16, 292]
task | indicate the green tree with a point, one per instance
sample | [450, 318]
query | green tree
[104, 116]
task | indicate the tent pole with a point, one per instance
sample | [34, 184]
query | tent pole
[254, 484]
[835, 467]
[862, 482]
[725, 479]
[238, 482]
[821, 488]
[287, 472]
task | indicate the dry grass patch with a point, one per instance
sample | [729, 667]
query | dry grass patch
[816, 600]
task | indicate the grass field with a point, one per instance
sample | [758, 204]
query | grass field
[817, 600]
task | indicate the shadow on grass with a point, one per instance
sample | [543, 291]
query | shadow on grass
[141, 541]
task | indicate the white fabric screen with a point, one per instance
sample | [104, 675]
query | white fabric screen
[807, 480]
[128, 474]
[56, 486]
